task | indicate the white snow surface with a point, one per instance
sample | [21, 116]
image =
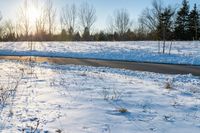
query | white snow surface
[143, 51]
[80, 99]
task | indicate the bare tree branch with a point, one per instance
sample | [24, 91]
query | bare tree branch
[51, 16]
[0, 16]
[87, 15]
[150, 17]
[69, 16]
[40, 21]
[8, 27]
[0, 26]
[24, 19]
[121, 21]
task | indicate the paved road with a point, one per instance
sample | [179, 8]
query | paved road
[158, 68]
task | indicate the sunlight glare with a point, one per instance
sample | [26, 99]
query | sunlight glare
[33, 14]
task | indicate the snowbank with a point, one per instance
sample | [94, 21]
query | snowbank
[147, 51]
[78, 99]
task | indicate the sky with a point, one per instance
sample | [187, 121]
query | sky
[104, 8]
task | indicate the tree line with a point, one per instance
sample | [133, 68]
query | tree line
[160, 22]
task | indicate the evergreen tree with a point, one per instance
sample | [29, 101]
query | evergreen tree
[102, 37]
[96, 37]
[110, 37]
[63, 35]
[116, 37]
[165, 25]
[129, 35]
[77, 37]
[86, 35]
[70, 34]
[194, 24]
[182, 22]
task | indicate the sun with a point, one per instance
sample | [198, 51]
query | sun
[33, 14]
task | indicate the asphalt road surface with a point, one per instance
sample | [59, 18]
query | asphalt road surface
[157, 68]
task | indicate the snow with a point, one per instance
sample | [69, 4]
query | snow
[143, 51]
[80, 99]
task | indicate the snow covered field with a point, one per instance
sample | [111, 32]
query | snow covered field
[147, 51]
[78, 99]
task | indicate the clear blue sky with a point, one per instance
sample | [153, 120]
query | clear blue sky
[104, 8]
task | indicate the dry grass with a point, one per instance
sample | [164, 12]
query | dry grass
[122, 110]
[169, 85]
[58, 131]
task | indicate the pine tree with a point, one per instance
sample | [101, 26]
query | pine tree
[116, 37]
[194, 26]
[70, 34]
[165, 25]
[129, 35]
[102, 36]
[0, 16]
[77, 37]
[86, 35]
[182, 22]
[164, 28]
[63, 35]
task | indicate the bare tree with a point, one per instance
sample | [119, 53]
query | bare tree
[24, 19]
[87, 16]
[0, 26]
[109, 28]
[150, 17]
[164, 28]
[8, 27]
[69, 17]
[8, 30]
[141, 30]
[121, 21]
[51, 16]
[159, 22]
[40, 21]
[0, 16]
